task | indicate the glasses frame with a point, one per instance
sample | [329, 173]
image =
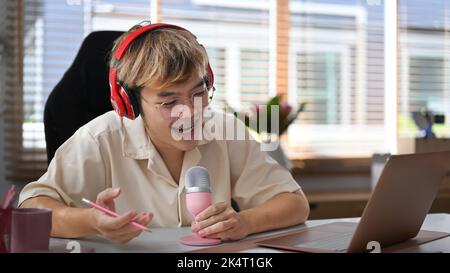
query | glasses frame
[209, 89]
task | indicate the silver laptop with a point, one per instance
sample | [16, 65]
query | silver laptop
[394, 214]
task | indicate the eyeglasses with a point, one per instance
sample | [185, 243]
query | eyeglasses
[203, 95]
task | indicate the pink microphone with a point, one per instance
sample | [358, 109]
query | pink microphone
[198, 198]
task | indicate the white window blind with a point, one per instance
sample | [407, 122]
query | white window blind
[337, 68]
[42, 42]
[254, 76]
[424, 42]
[319, 85]
[217, 61]
[236, 36]
[335, 64]
[53, 31]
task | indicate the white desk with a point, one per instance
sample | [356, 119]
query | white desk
[166, 239]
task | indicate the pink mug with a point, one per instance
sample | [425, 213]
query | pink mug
[30, 229]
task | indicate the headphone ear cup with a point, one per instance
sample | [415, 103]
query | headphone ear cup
[117, 108]
[131, 102]
[134, 101]
[115, 98]
[210, 76]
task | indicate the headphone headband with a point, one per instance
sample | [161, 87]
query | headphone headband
[136, 33]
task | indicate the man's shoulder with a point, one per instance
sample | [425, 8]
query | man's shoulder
[109, 122]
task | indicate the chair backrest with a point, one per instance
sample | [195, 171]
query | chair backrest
[83, 92]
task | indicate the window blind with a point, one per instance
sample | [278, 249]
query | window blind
[42, 41]
[236, 36]
[424, 41]
[337, 68]
[334, 62]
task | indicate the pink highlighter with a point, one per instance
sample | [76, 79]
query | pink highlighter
[198, 198]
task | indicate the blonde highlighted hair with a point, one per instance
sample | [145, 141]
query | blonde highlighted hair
[160, 58]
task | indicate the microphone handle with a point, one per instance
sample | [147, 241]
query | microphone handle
[197, 202]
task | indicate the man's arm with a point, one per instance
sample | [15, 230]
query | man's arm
[282, 210]
[69, 222]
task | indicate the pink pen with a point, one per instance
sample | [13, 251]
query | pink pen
[113, 214]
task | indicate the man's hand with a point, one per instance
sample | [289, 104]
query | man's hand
[221, 221]
[117, 229]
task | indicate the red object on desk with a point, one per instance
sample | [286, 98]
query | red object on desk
[5, 229]
[9, 198]
[5, 219]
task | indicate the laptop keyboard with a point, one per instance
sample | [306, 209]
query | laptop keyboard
[338, 242]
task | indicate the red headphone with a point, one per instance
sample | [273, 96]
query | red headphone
[124, 101]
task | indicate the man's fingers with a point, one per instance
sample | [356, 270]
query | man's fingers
[211, 210]
[143, 219]
[108, 194]
[106, 198]
[122, 220]
[128, 232]
[217, 228]
[148, 217]
[210, 221]
[117, 225]
[118, 229]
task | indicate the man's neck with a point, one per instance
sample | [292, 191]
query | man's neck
[172, 157]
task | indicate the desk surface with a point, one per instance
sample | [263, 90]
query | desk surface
[166, 239]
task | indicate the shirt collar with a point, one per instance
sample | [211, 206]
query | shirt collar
[135, 142]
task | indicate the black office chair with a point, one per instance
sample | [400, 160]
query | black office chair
[83, 92]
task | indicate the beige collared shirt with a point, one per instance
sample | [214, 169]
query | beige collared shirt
[115, 152]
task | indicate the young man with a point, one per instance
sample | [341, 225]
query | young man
[136, 164]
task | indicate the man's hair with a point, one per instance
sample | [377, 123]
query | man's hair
[160, 58]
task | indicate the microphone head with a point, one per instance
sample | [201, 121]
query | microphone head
[197, 180]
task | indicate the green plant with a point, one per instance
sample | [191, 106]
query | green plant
[254, 118]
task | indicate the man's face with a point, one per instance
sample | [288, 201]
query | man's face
[170, 115]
